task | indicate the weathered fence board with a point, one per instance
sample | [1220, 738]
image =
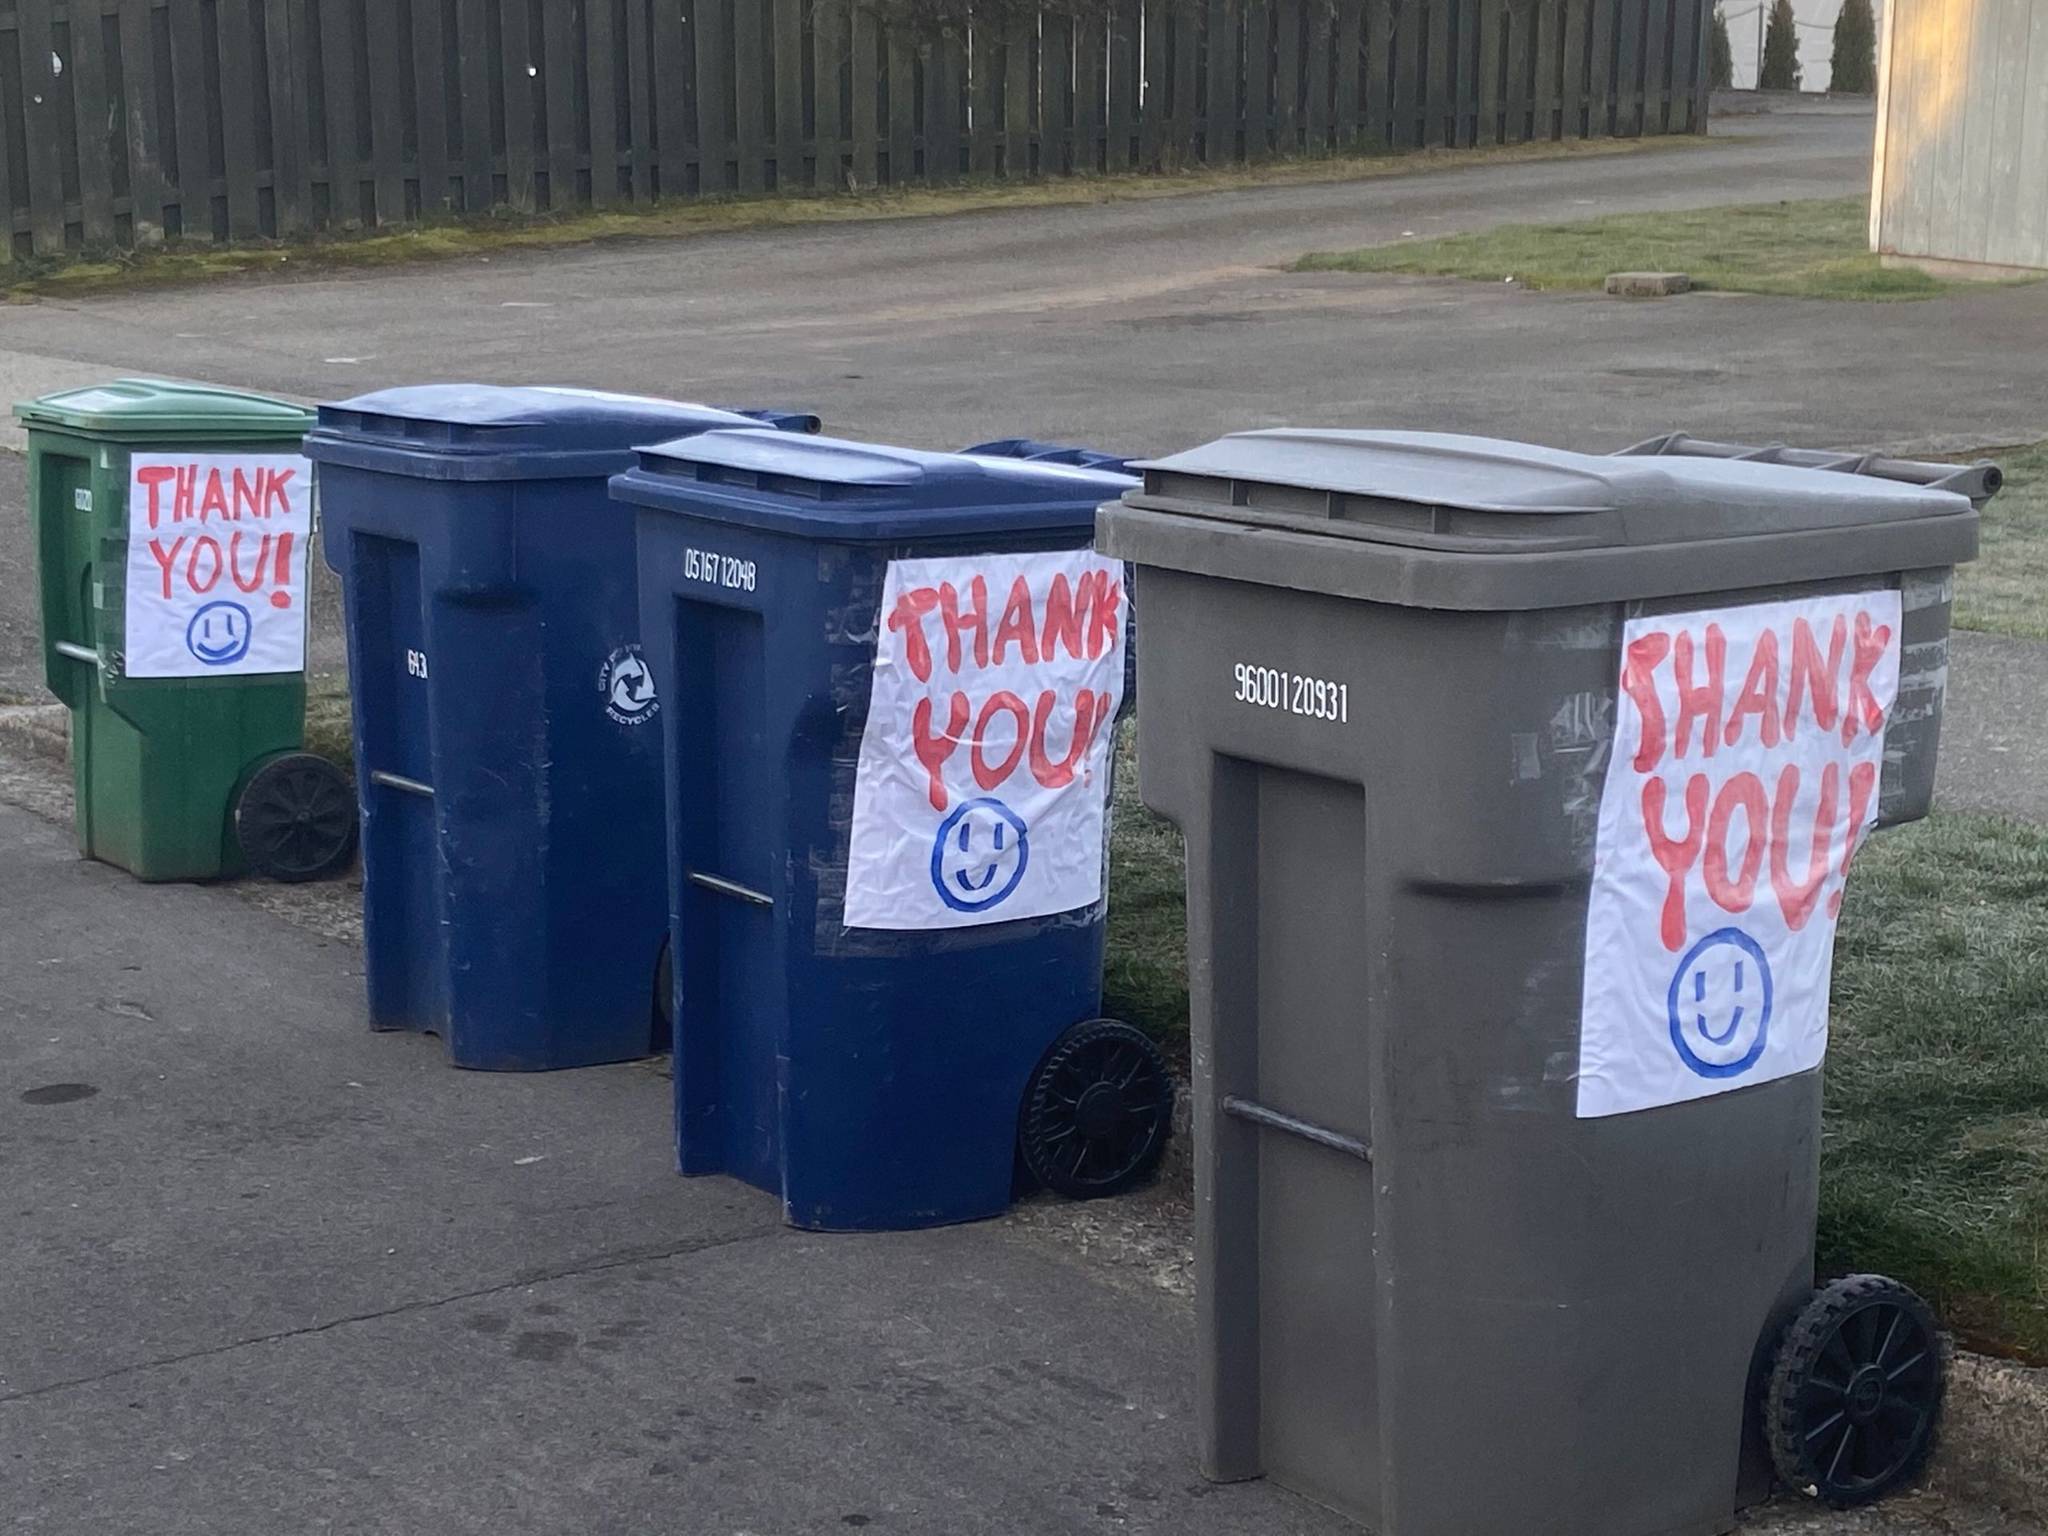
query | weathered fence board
[123, 122]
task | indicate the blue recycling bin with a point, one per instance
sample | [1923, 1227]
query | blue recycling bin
[507, 735]
[872, 1078]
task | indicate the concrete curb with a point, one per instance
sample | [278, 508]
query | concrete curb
[1994, 1442]
[37, 730]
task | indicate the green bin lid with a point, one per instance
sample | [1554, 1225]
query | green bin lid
[159, 410]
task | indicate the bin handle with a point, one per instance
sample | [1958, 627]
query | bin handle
[1307, 1130]
[76, 651]
[1979, 481]
[731, 888]
[400, 782]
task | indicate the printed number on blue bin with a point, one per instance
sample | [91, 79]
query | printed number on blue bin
[714, 569]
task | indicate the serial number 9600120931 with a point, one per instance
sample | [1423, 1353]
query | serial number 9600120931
[1293, 693]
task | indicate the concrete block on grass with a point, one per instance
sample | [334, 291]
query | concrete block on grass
[1647, 285]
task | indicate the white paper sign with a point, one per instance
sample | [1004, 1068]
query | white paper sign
[984, 771]
[217, 548]
[1744, 778]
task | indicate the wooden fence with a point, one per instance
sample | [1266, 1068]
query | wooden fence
[125, 122]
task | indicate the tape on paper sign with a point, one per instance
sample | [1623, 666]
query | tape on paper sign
[984, 771]
[1743, 781]
[216, 579]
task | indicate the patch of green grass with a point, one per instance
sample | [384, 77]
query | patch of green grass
[1815, 250]
[2006, 588]
[1934, 1163]
[1145, 973]
[450, 238]
[328, 729]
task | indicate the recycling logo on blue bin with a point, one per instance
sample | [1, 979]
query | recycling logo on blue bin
[982, 790]
[628, 687]
[1743, 778]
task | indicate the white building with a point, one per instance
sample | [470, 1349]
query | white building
[1816, 38]
[1961, 173]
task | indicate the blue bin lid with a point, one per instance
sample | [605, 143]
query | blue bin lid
[491, 432]
[829, 488]
[1051, 453]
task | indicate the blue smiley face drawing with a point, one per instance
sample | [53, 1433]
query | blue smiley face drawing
[219, 634]
[979, 855]
[1720, 1004]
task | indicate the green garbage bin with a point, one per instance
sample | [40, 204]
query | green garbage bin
[184, 671]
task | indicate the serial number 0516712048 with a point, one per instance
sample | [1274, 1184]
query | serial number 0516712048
[1292, 693]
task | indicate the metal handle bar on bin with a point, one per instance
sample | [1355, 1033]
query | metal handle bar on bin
[1051, 453]
[787, 421]
[1980, 481]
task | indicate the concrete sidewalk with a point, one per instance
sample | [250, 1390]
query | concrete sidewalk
[269, 1273]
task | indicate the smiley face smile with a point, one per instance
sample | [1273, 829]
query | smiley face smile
[219, 634]
[1720, 1004]
[979, 855]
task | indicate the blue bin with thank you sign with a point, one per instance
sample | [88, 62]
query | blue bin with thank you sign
[890, 684]
[508, 750]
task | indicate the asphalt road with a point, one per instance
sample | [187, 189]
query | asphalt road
[1144, 326]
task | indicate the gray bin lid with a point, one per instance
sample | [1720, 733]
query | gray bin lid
[1434, 520]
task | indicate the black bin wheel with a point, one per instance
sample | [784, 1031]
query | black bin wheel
[1854, 1395]
[1097, 1112]
[295, 819]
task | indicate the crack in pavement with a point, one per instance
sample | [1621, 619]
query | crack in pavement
[538, 1277]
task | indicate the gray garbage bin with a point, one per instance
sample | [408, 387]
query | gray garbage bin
[1467, 1263]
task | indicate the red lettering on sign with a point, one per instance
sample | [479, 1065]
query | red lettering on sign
[1873, 643]
[1001, 702]
[933, 750]
[1796, 898]
[908, 620]
[1104, 613]
[1759, 694]
[956, 622]
[282, 597]
[1702, 703]
[187, 482]
[248, 494]
[1064, 616]
[277, 488]
[209, 546]
[1015, 627]
[1089, 711]
[1814, 677]
[1744, 793]
[1638, 679]
[165, 558]
[1675, 856]
[214, 501]
[235, 562]
[1862, 786]
[153, 478]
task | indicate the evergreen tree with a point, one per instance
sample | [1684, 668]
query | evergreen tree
[1854, 71]
[1720, 54]
[1781, 50]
